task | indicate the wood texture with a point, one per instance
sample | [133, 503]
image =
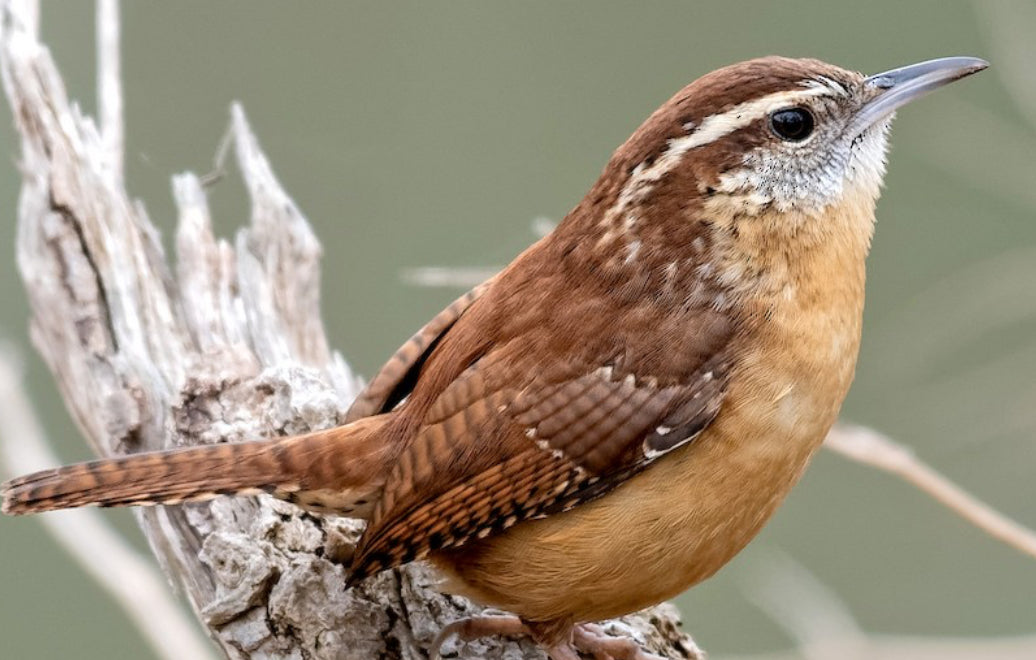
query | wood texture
[225, 345]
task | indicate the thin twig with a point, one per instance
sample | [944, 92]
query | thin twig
[447, 276]
[460, 277]
[823, 626]
[810, 611]
[109, 88]
[869, 447]
[219, 160]
[135, 584]
[1010, 24]
[896, 647]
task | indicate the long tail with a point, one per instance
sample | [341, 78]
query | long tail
[332, 470]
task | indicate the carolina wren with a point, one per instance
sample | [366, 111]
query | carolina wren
[618, 412]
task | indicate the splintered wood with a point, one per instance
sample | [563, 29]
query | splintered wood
[227, 345]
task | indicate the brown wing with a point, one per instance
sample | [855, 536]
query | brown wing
[508, 440]
[396, 378]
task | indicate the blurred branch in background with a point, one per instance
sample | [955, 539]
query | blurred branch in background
[133, 581]
[997, 292]
[813, 615]
[1011, 24]
[109, 89]
[823, 626]
[871, 448]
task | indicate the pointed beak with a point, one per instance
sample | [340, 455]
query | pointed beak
[898, 87]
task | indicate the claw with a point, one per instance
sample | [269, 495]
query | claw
[562, 652]
[475, 627]
[591, 638]
[588, 638]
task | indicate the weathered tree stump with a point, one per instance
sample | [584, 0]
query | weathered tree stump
[226, 345]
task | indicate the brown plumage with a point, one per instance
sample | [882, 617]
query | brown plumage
[327, 470]
[617, 413]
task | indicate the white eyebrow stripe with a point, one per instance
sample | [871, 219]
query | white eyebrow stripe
[712, 128]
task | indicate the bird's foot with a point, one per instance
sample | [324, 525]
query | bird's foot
[475, 627]
[587, 638]
[591, 639]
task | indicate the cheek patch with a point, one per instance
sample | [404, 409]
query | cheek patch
[806, 178]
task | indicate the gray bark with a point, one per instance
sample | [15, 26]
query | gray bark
[226, 345]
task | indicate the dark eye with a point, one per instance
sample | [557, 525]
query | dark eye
[792, 124]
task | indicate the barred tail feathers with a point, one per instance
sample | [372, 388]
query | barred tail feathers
[328, 470]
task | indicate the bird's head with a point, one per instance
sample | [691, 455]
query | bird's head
[787, 134]
[767, 152]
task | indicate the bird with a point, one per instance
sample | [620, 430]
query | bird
[612, 417]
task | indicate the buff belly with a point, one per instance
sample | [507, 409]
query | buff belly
[667, 529]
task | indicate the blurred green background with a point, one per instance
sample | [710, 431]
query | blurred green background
[415, 133]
